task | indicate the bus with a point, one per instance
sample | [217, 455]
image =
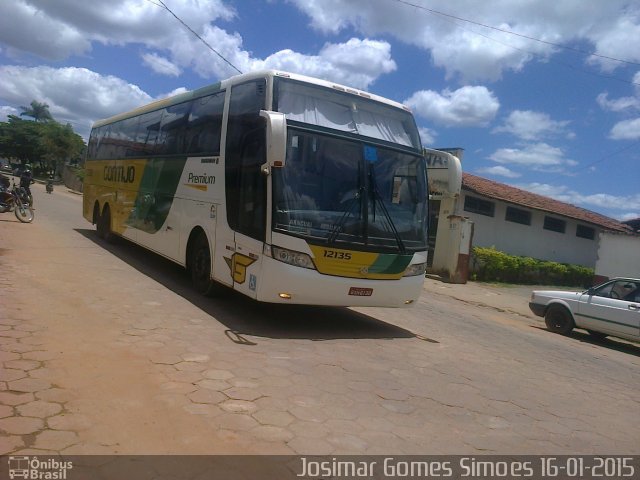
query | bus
[285, 188]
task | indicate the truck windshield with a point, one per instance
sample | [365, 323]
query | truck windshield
[346, 192]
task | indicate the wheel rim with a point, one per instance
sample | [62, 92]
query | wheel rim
[25, 213]
[558, 320]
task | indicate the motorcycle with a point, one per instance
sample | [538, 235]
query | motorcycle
[49, 186]
[16, 200]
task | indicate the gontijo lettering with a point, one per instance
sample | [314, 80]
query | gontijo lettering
[120, 174]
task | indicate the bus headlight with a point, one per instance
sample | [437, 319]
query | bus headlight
[415, 270]
[292, 257]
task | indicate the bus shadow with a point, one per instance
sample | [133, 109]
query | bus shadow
[245, 317]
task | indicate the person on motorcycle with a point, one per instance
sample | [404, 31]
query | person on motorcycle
[50, 183]
[26, 179]
[4, 186]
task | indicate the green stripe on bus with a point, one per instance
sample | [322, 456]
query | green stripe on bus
[156, 193]
[390, 264]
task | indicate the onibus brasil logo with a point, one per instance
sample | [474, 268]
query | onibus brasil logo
[34, 468]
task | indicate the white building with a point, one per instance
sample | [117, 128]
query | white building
[522, 223]
[618, 256]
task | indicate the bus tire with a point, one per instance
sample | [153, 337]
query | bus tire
[96, 220]
[104, 225]
[200, 266]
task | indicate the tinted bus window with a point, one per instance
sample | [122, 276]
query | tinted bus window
[205, 125]
[92, 148]
[173, 129]
[148, 132]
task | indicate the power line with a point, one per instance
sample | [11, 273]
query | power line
[163, 5]
[612, 154]
[595, 74]
[565, 47]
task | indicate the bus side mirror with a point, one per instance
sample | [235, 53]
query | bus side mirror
[276, 138]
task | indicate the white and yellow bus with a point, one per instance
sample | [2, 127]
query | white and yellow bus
[282, 187]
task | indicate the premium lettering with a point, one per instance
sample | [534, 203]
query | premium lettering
[204, 179]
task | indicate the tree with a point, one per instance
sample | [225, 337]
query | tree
[46, 144]
[20, 139]
[59, 143]
[38, 111]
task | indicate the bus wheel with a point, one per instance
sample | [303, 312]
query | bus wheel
[104, 225]
[99, 224]
[200, 266]
[96, 219]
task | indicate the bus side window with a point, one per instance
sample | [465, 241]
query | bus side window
[205, 125]
[173, 129]
[148, 132]
[245, 152]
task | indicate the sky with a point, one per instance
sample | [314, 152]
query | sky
[543, 95]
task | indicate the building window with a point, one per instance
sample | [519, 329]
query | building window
[583, 231]
[518, 216]
[478, 205]
[554, 224]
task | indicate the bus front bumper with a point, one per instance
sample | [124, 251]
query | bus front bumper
[283, 283]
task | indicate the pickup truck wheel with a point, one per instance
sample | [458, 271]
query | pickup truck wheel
[558, 320]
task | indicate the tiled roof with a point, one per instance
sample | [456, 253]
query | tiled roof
[500, 191]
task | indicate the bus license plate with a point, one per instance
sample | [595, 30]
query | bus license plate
[360, 292]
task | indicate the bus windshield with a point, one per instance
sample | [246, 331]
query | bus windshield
[329, 108]
[344, 192]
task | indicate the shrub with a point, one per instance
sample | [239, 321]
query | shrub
[489, 264]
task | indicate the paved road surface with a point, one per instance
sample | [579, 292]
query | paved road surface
[105, 349]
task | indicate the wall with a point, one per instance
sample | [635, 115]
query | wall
[70, 179]
[618, 256]
[531, 240]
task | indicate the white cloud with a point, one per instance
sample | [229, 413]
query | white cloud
[24, 28]
[5, 111]
[175, 91]
[357, 63]
[74, 95]
[619, 105]
[626, 130]
[161, 65]
[69, 27]
[474, 53]
[535, 156]
[499, 171]
[427, 136]
[464, 50]
[629, 216]
[529, 125]
[616, 37]
[468, 106]
[595, 200]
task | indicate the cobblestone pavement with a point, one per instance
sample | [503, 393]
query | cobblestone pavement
[106, 350]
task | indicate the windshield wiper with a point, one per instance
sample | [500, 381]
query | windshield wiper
[378, 198]
[345, 215]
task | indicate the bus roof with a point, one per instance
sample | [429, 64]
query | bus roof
[209, 89]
